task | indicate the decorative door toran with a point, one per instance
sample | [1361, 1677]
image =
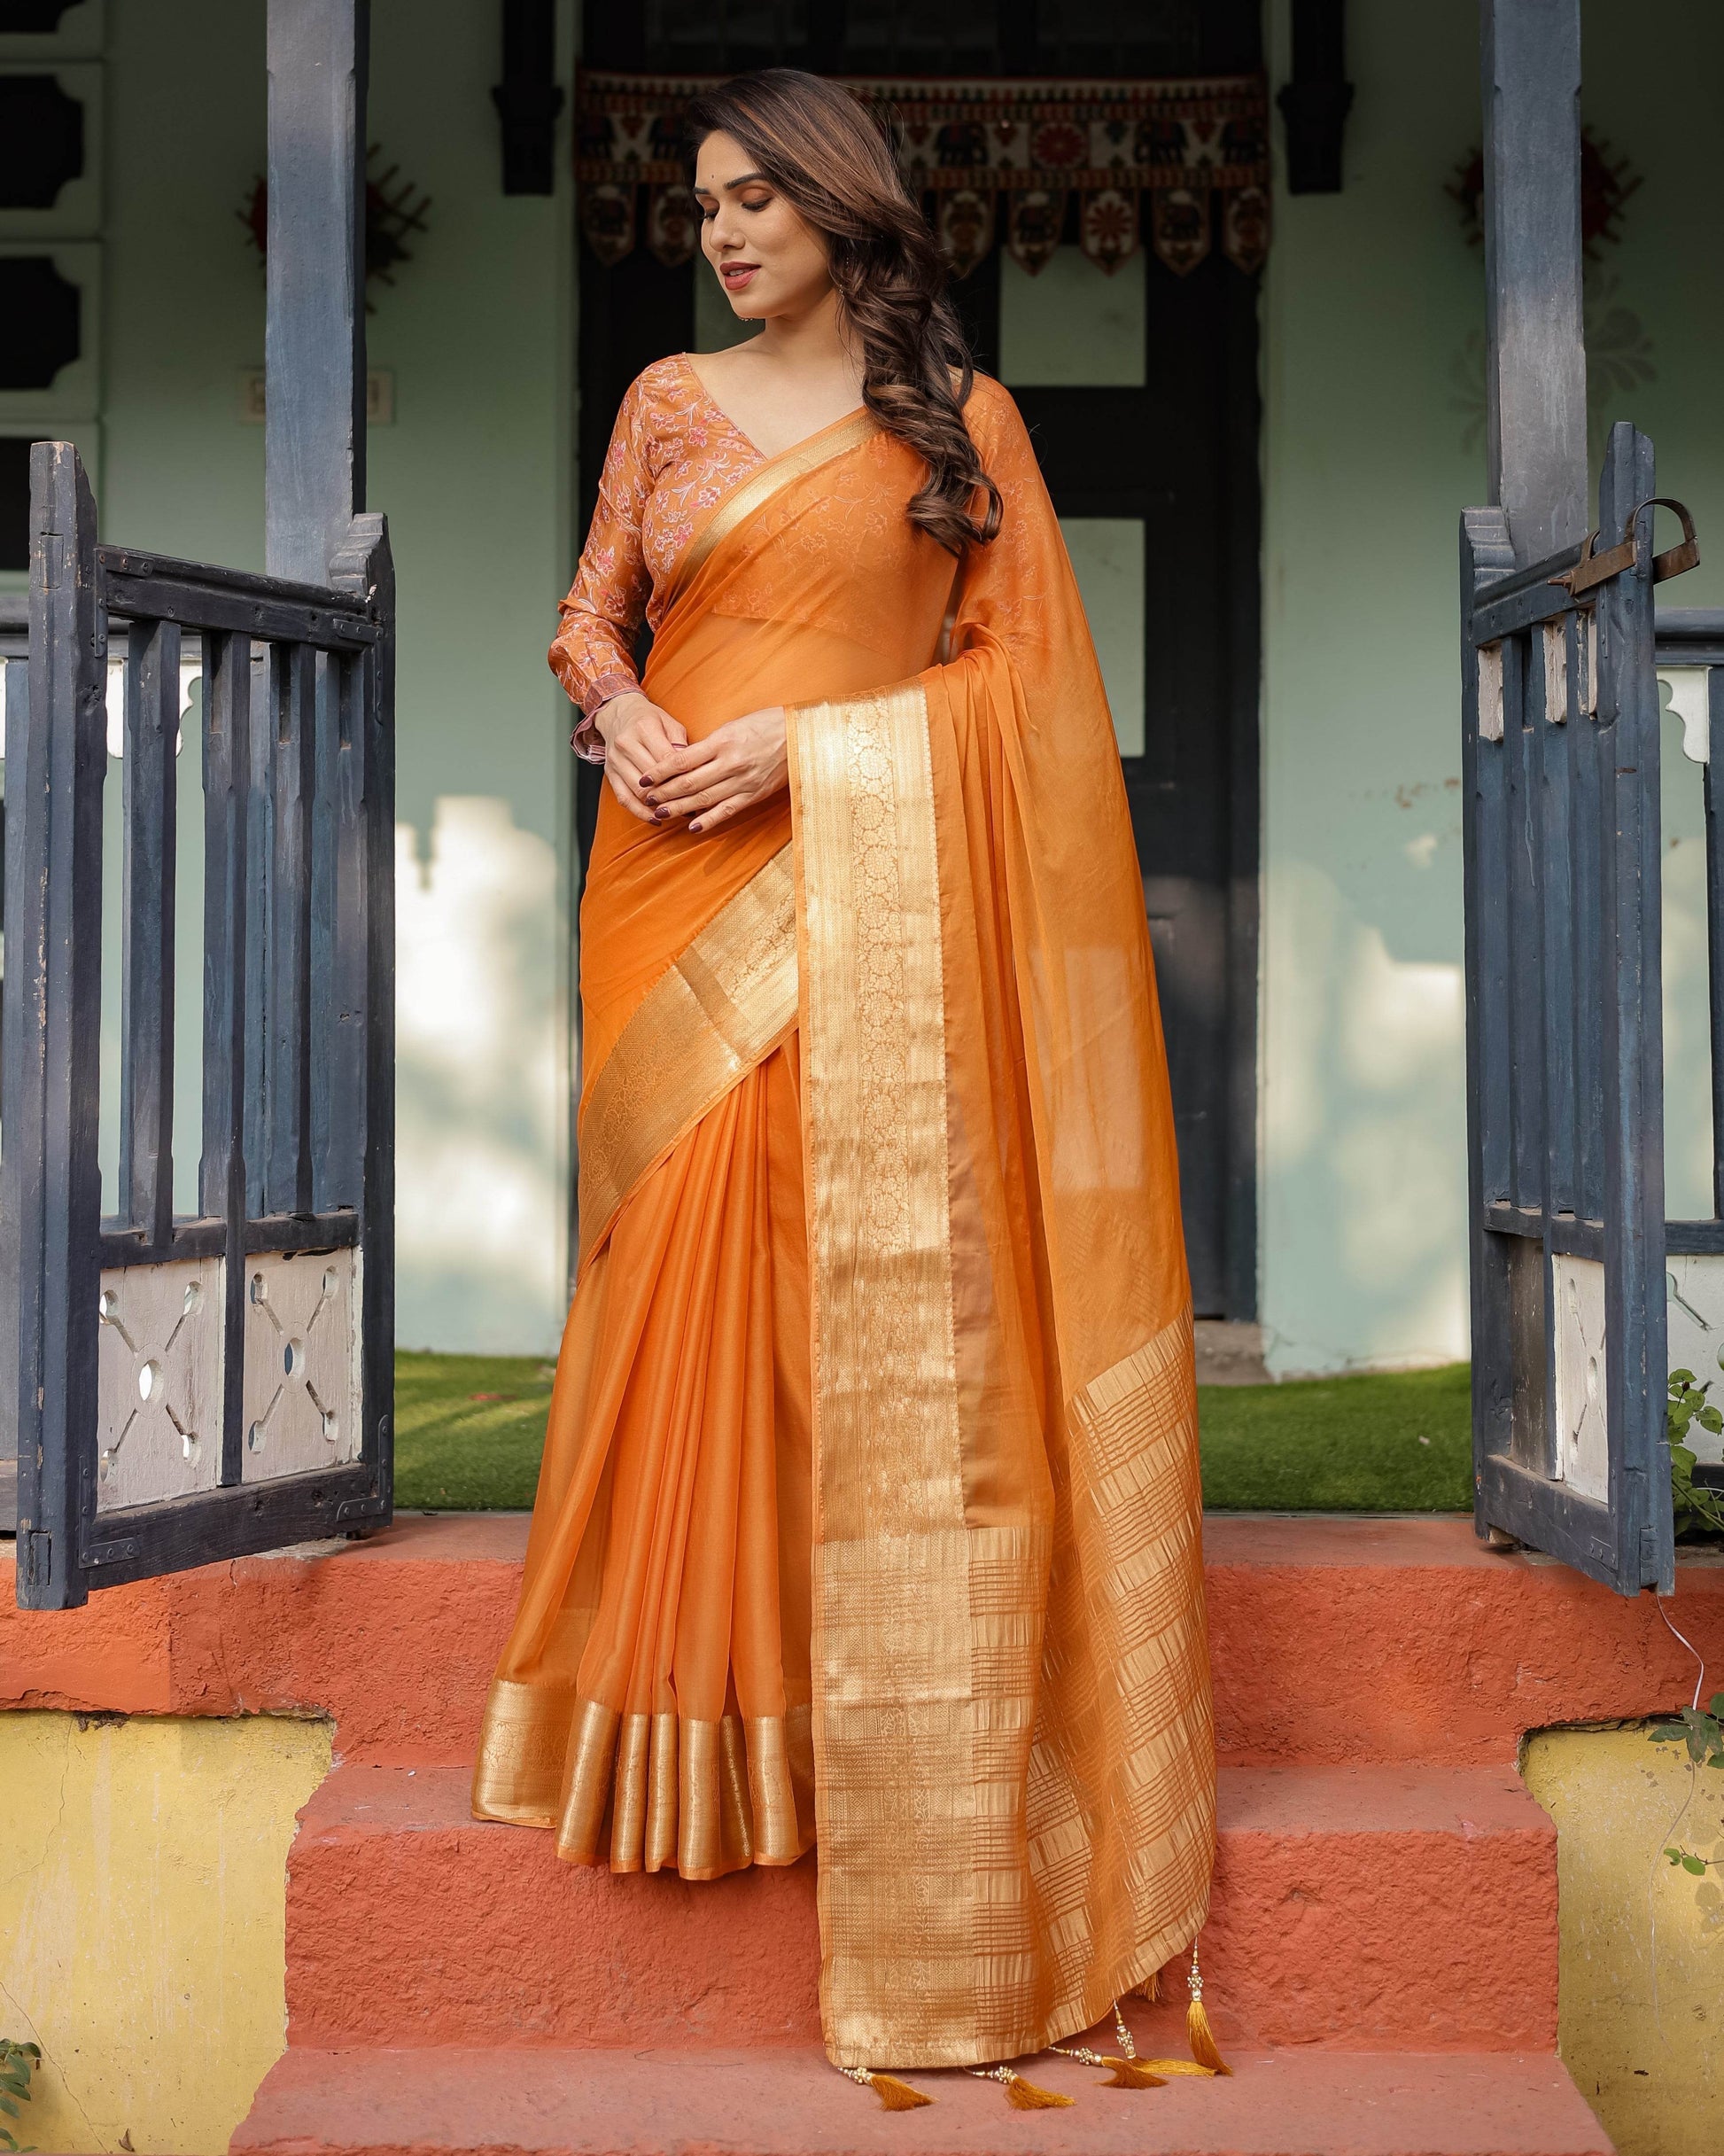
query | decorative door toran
[1189, 160]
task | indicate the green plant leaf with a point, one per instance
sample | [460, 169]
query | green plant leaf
[1695, 1865]
[1680, 1378]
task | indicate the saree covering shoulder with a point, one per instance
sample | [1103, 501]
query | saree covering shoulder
[870, 1509]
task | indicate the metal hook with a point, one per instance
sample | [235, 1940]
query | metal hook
[1593, 568]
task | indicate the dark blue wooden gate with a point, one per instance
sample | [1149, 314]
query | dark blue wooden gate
[1564, 1048]
[194, 1387]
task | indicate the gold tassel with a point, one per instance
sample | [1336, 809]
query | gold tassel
[1019, 2094]
[894, 2094]
[1198, 2034]
[1126, 2073]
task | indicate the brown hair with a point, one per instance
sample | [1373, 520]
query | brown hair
[821, 150]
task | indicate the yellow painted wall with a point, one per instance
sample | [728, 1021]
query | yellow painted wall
[1642, 2012]
[143, 1919]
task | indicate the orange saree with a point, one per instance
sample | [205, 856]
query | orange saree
[869, 1511]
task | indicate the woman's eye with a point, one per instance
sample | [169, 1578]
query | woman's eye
[759, 204]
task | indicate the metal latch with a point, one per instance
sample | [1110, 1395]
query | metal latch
[1600, 568]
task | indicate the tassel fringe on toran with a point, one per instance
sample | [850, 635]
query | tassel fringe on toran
[1126, 2071]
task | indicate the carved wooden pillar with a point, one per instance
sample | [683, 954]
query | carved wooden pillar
[1536, 369]
[314, 344]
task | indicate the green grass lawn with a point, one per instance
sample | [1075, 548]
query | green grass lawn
[468, 1430]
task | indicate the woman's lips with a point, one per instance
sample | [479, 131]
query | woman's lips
[739, 276]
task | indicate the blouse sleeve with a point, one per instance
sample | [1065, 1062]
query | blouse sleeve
[592, 654]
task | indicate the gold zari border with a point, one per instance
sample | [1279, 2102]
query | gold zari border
[1013, 1742]
[724, 1005]
[647, 1792]
[927, 1630]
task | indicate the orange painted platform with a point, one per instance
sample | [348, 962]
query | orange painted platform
[789, 2103]
[1381, 1956]
[1341, 1915]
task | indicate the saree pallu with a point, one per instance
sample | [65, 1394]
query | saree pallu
[870, 1509]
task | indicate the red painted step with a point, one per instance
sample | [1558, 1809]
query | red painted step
[1334, 1640]
[1345, 1913]
[788, 2102]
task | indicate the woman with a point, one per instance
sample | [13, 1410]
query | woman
[869, 1509]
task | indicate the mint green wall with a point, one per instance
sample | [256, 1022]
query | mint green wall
[1373, 389]
[476, 475]
[1372, 379]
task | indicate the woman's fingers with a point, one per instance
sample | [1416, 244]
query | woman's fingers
[670, 764]
[677, 790]
[624, 778]
[721, 812]
[661, 736]
[723, 789]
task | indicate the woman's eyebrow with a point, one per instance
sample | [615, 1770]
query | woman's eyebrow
[732, 185]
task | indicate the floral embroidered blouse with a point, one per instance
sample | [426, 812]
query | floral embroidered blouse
[673, 456]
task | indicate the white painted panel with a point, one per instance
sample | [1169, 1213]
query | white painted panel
[1690, 689]
[301, 1364]
[1694, 1288]
[1683, 939]
[1490, 692]
[1074, 326]
[1582, 1454]
[1107, 556]
[158, 1382]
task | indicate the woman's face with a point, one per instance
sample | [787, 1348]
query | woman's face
[769, 260]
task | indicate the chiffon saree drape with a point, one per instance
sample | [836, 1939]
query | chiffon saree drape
[870, 1506]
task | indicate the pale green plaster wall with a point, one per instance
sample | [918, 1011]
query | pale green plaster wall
[1372, 321]
[1373, 442]
[476, 475]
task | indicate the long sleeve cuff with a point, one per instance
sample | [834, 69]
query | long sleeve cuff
[586, 741]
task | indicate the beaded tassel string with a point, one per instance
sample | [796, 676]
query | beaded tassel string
[1122, 2073]
[894, 2094]
[1019, 2094]
[1125, 2071]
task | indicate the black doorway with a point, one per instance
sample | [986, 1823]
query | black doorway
[1177, 453]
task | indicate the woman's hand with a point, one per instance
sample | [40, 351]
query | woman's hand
[637, 737]
[713, 780]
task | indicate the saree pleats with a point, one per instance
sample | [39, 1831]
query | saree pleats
[870, 1504]
[657, 1713]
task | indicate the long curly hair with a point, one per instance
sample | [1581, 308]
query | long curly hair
[825, 155]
